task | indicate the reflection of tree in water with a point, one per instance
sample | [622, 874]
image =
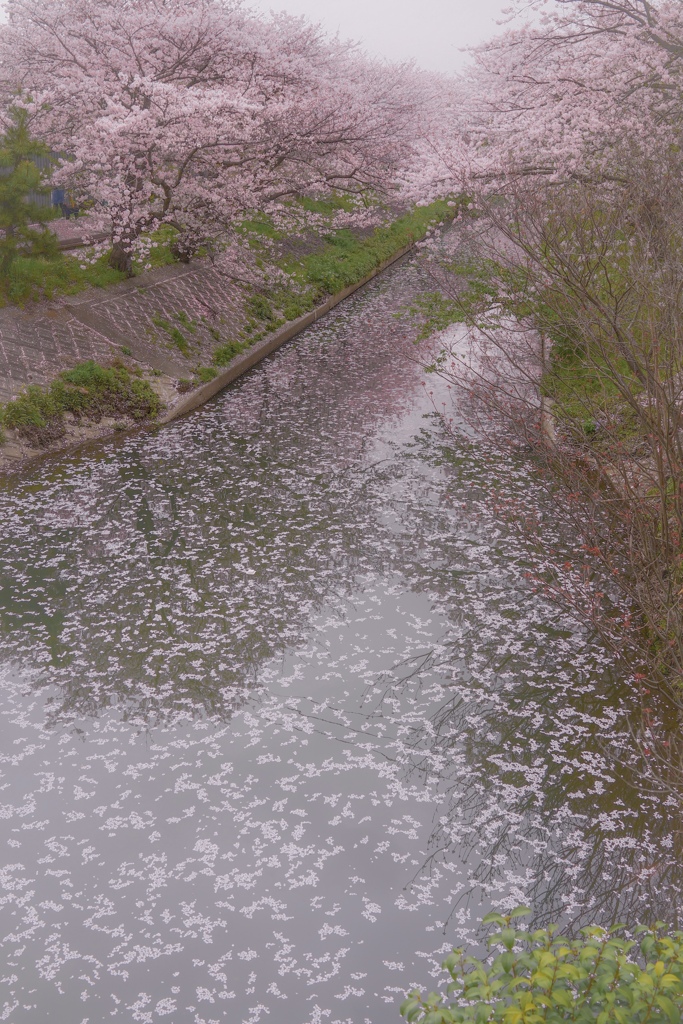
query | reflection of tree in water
[166, 572]
[535, 740]
[559, 818]
[543, 790]
[595, 847]
[162, 575]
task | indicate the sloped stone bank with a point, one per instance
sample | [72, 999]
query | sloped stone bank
[245, 360]
[163, 323]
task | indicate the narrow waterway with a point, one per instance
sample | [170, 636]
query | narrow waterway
[281, 717]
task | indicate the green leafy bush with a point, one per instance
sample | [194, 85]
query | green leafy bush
[542, 976]
[259, 306]
[34, 407]
[89, 391]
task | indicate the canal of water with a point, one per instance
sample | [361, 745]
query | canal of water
[281, 716]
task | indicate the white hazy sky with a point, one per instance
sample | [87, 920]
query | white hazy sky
[432, 31]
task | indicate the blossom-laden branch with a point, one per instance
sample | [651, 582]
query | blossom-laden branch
[199, 114]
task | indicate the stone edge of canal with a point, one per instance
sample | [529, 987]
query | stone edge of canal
[201, 395]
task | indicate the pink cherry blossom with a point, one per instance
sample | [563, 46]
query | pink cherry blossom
[195, 113]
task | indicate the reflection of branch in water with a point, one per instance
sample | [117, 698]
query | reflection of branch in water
[514, 800]
[189, 571]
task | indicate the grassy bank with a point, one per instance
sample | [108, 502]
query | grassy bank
[343, 260]
[88, 392]
[33, 278]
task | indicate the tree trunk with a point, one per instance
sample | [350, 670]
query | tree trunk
[121, 259]
[547, 421]
[547, 418]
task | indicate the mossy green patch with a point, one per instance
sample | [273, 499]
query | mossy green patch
[88, 391]
[206, 373]
[187, 322]
[226, 353]
[259, 306]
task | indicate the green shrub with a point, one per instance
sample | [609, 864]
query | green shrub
[295, 306]
[542, 976]
[89, 391]
[258, 306]
[32, 408]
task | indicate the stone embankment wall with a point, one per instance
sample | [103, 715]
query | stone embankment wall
[134, 321]
[44, 339]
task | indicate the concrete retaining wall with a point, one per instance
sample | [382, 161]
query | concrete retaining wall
[35, 345]
[245, 360]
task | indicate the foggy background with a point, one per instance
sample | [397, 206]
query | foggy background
[433, 32]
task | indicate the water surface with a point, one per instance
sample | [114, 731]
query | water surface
[281, 716]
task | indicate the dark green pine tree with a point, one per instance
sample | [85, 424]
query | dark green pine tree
[23, 220]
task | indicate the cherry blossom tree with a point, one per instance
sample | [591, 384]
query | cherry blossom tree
[590, 91]
[569, 137]
[195, 113]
